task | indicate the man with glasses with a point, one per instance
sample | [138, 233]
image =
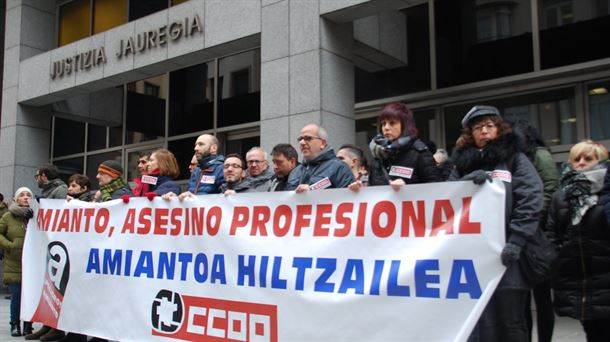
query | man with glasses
[320, 168]
[47, 177]
[259, 174]
[233, 175]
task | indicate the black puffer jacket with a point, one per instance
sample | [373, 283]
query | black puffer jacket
[524, 195]
[415, 157]
[582, 281]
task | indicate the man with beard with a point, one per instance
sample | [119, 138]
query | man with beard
[47, 177]
[233, 175]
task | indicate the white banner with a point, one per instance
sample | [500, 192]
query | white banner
[419, 264]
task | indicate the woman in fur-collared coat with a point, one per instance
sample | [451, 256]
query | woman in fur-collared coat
[487, 145]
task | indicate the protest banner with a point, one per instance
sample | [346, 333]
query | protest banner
[417, 264]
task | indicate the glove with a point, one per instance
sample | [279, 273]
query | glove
[510, 254]
[125, 198]
[150, 195]
[478, 177]
[29, 213]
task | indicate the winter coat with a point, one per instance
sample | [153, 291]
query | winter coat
[12, 235]
[55, 189]
[325, 165]
[605, 194]
[261, 182]
[545, 165]
[523, 192]
[414, 157]
[208, 176]
[241, 186]
[582, 281]
[3, 208]
[164, 185]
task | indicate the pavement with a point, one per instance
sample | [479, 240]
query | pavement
[566, 329]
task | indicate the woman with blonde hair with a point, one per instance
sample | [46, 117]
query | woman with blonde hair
[578, 227]
[162, 170]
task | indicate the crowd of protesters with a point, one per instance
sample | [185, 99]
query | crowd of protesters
[572, 208]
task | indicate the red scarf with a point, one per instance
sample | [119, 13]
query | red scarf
[142, 188]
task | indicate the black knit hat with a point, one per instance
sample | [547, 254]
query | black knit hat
[111, 168]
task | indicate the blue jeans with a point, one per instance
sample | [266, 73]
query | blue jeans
[15, 289]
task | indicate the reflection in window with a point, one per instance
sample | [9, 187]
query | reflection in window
[599, 110]
[479, 40]
[69, 137]
[94, 161]
[380, 74]
[239, 88]
[68, 167]
[191, 103]
[146, 112]
[580, 25]
[73, 21]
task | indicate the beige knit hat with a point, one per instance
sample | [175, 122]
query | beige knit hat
[22, 189]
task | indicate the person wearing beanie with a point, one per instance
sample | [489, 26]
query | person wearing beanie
[488, 145]
[12, 234]
[110, 179]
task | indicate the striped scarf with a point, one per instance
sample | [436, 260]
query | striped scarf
[111, 187]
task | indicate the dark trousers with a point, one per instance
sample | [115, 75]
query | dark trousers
[545, 316]
[503, 319]
[597, 330]
[15, 289]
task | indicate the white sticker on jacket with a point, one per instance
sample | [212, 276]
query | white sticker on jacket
[149, 180]
[321, 184]
[208, 179]
[401, 171]
[503, 175]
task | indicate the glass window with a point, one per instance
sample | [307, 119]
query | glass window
[96, 137]
[108, 14]
[94, 161]
[146, 112]
[376, 77]
[142, 8]
[479, 40]
[107, 107]
[366, 130]
[239, 88]
[74, 23]
[183, 151]
[68, 138]
[68, 167]
[599, 110]
[241, 146]
[552, 112]
[191, 100]
[573, 31]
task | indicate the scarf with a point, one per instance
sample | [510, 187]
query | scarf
[143, 188]
[580, 189]
[19, 212]
[111, 187]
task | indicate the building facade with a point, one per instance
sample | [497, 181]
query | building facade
[90, 80]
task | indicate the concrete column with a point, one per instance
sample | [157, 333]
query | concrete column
[25, 131]
[306, 73]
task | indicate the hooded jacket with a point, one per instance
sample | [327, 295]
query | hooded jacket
[325, 165]
[55, 188]
[524, 197]
[208, 176]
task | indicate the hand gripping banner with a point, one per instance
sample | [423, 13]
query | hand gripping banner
[417, 264]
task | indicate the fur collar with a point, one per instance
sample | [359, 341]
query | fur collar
[500, 150]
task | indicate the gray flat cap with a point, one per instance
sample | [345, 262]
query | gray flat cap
[479, 110]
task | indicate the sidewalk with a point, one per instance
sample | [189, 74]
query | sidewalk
[566, 329]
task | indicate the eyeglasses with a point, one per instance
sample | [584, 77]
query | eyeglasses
[488, 126]
[307, 138]
[36, 176]
[235, 166]
[254, 161]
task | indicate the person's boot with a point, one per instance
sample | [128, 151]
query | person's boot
[27, 328]
[52, 335]
[15, 329]
[38, 334]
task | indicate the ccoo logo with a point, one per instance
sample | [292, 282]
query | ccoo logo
[167, 312]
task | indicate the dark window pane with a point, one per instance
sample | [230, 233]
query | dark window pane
[480, 42]
[366, 129]
[241, 146]
[115, 136]
[573, 31]
[69, 137]
[146, 113]
[599, 110]
[68, 167]
[107, 109]
[142, 8]
[239, 89]
[191, 101]
[393, 71]
[183, 151]
[94, 161]
[96, 138]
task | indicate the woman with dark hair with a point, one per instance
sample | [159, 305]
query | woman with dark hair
[162, 170]
[578, 227]
[400, 157]
[487, 145]
[536, 151]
